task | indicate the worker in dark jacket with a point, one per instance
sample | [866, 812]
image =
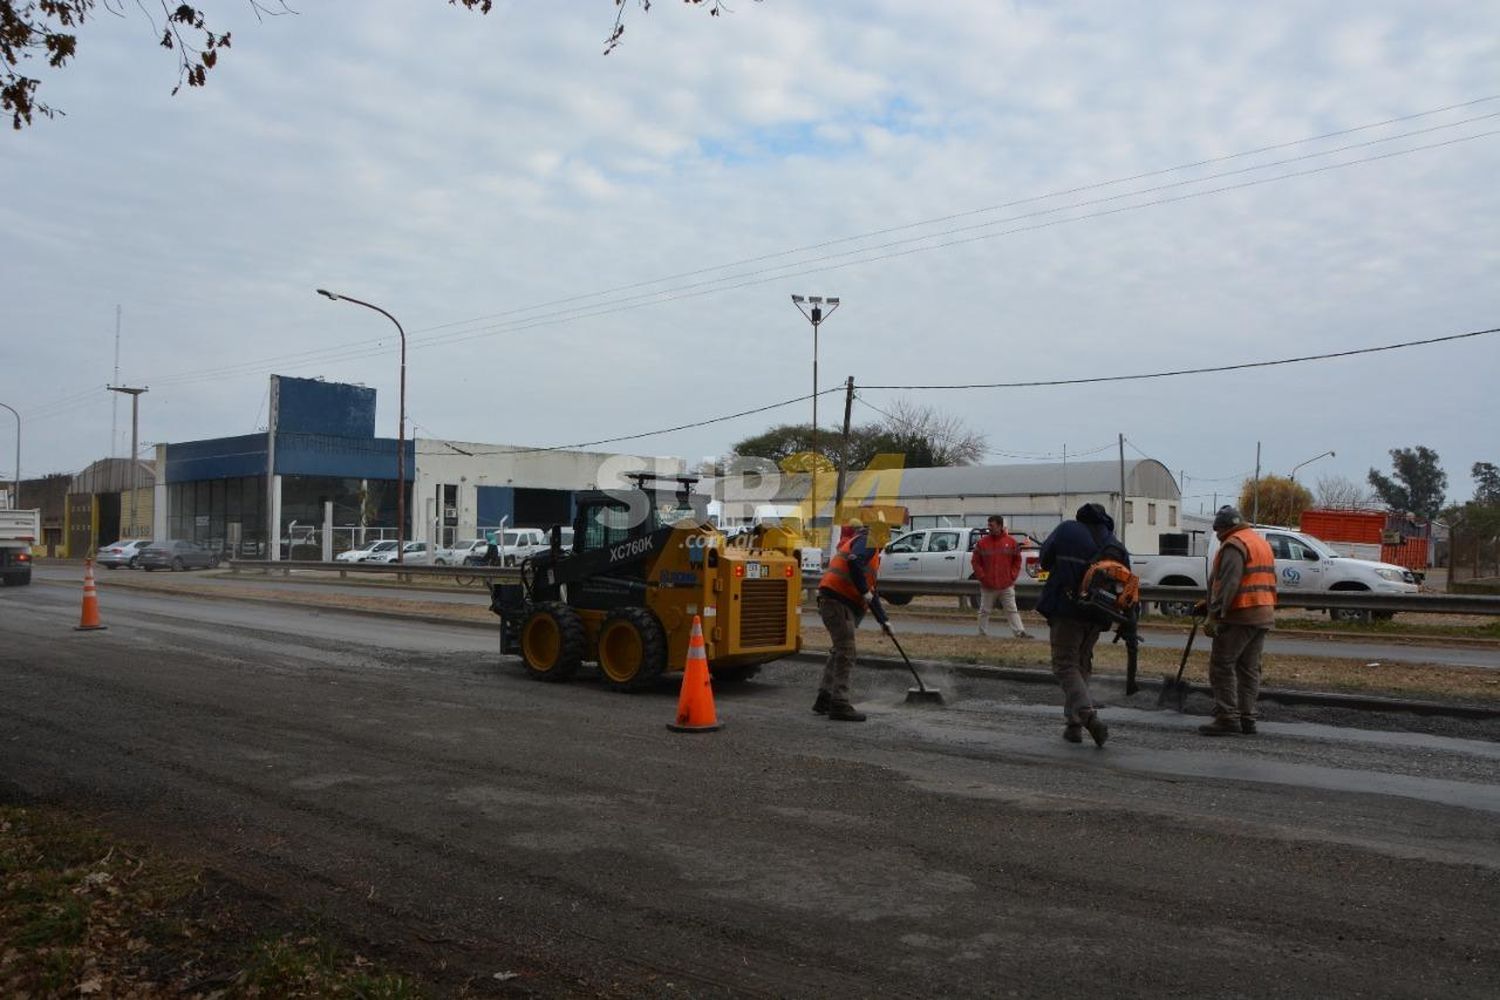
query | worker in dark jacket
[1066, 555]
[845, 592]
[1241, 609]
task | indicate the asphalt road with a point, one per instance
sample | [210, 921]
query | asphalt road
[1384, 651]
[431, 799]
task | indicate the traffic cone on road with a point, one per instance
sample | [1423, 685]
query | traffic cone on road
[695, 705]
[90, 620]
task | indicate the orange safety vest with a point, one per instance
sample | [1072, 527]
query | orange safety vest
[840, 581]
[1258, 585]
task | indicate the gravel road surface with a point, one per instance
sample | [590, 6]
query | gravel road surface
[436, 803]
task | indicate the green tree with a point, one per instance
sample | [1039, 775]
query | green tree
[46, 32]
[924, 436]
[1419, 485]
[1486, 483]
[1282, 500]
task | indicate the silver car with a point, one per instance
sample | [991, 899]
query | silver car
[126, 552]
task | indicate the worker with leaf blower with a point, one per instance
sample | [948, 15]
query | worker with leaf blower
[845, 593]
[1073, 627]
[1241, 609]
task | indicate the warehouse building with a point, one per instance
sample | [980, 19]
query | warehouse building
[1033, 498]
[271, 494]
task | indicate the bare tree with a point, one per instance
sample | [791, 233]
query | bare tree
[1342, 492]
[949, 440]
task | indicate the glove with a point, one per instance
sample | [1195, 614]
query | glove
[1211, 628]
[877, 609]
[1200, 610]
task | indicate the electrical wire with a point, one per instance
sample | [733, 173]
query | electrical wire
[342, 352]
[1242, 366]
[665, 430]
[969, 213]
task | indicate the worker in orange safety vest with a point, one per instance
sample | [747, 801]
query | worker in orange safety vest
[845, 592]
[1241, 609]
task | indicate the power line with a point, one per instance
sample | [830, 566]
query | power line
[342, 352]
[1097, 185]
[1093, 380]
[664, 430]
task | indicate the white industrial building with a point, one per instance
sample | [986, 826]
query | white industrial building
[1033, 498]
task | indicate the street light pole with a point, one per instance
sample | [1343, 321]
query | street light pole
[400, 427]
[15, 499]
[135, 427]
[815, 316]
[1326, 454]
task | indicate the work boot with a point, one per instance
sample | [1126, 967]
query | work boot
[821, 702]
[1221, 727]
[1247, 726]
[1023, 634]
[1073, 732]
[842, 711]
[1097, 729]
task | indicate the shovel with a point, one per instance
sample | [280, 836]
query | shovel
[921, 694]
[1175, 688]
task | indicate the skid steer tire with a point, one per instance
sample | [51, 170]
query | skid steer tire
[552, 642]
[632, 649]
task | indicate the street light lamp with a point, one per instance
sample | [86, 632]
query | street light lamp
[1326, 454]
[15, 499]
[400, 427]
[815, 316]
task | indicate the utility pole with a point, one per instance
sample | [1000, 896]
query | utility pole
[15, 499]
[1255, 500]
[1123, 527]
[838, 498]
[135, 427]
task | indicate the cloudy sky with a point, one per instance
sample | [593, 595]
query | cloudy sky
[583, 247]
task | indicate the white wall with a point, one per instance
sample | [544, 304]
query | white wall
[470, 465]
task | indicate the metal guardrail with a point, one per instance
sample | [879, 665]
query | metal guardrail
[1361, 600]
[402, 571]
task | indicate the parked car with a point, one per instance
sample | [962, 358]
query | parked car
[1304, 564]
[126, 552]
[471, 551]
[932, 555]
[364, 552]
[416, 553]
[177, 554]
[522, 543]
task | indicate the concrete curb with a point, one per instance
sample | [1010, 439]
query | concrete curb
[1282, 696]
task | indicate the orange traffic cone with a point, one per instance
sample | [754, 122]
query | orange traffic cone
[695, 705]
[90, 621]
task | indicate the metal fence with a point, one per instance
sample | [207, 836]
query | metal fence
[1474, 554]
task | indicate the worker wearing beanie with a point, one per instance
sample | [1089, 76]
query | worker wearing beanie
[1241, 609]
[1066, 555]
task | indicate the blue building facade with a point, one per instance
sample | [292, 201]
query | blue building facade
[258, 495]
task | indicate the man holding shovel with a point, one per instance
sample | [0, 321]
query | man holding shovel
[845, 592]
[1241, 609]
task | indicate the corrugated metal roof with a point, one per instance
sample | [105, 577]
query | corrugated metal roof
[112, 475]
[1143, 478]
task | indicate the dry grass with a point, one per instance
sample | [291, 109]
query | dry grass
[1330, 673]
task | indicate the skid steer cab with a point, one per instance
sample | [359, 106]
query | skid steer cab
[643, 562]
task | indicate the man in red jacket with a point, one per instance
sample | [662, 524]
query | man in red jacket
[997, 563]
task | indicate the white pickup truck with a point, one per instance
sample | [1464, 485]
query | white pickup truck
[18, 531]
[1304, 564]
[929, 555]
